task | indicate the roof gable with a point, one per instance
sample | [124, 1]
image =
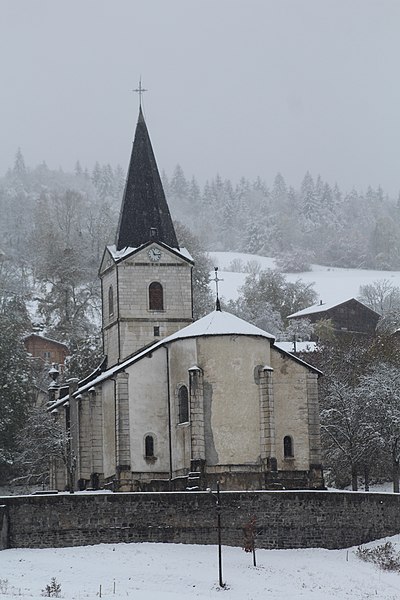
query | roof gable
[129, 252]
[325, 307]
[107, 261]
[296, 359]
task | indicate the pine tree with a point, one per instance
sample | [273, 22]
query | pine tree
[309, 207]
[78, 169]
[19, 169]
[178, 184]
[105, 185]
[96, 175]
[16, 395]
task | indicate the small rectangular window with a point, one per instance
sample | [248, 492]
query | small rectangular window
[288, 446]
[183, 404]
[157, 331]
[110, 301]
[149, 446]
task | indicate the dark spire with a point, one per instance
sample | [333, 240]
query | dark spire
[144, 212]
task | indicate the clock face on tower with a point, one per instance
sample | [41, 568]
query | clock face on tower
[154, 254]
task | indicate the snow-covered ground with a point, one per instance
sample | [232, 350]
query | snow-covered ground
[180, 572]
[331, 284]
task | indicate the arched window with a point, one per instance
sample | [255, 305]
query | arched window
[288, 447]
[156, 296]
[110, 301]
[149, 446]
[183, 404]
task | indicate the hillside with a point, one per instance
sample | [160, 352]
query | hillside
[332, 284]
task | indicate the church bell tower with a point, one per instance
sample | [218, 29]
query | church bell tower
[146, 277]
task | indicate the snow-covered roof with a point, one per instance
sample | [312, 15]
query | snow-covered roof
[300, 346]
[323, 307]
[121, 254]
[47, 339]
[218, 323]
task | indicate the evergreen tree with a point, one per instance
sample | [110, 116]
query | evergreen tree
[78, 169]
[19, 169]
[105, 185]
[279, 192]
[309, 207]
[119, 183]
[178, 185]
[194, 196]
[16, 396]
[96, 175]
[86, 354]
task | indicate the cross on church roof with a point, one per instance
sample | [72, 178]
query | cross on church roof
[217, 279]
[140, 90]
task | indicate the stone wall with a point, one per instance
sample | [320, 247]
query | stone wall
[285, 519]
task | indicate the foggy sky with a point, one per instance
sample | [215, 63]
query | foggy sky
[248, 87]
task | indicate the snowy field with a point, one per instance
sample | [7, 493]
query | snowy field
[179, 572]
[331, 284]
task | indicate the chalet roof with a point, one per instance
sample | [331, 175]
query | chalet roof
[325, 306]
[46, 339]
[144, 212]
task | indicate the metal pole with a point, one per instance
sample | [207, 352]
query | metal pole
[221, 583]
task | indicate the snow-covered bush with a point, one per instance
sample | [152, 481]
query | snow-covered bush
[385, 556]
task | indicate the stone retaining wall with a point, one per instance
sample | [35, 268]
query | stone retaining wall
[285, 519]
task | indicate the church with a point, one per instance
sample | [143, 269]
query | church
[177, 404]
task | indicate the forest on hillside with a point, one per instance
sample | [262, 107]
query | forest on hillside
[324, 224]
[54, 227]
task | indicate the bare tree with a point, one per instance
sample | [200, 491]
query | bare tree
[381, 295]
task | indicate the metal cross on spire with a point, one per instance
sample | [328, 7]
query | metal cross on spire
[217, 280]
[140, 90]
